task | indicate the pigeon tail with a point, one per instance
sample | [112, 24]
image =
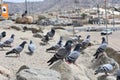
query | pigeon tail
[51, 48]
[10, 52]
[52, 60]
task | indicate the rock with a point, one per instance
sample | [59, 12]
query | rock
[19, 20]
[13, 18]
[104, 77]
[72, 72]
[16, 28]
[104, 60]
[58, 27]
[5, 72]
[38, 74]
[22, 68]
[3, 77]
[24, 20]
[27, 19]
[33, 28]
[38, 35]
[6, 24]
[113, 54]
[2, 18]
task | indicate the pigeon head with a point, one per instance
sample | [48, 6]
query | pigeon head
[12, 36]
[61, 38]
[79, 36]
[88, 36]
[103, 39]
[25, 28]
[30, 41]
[3, 34]
[23, 44]
[52, 30]
[68, 42]
[60, 42]
[113, 64]
[77, 47]
[68, 46]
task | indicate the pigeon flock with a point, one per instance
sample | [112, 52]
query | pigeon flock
[67, 52]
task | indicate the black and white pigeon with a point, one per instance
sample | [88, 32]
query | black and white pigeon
[9, 41]
[45, 39]
[2, 35]
[55, 47]
[51, 33]
[18, 49]
[73, 56]
[31, 47]
[61, 53]
[105, 68]
[101, 48]
[86, 41]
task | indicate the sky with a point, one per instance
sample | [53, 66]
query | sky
[20, 0]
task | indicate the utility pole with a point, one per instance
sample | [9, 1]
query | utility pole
[76, 5]
[98, 11]
[106, 19]
[113, 16]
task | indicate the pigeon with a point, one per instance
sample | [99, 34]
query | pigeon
[118, 75]
[45, 39]
[2, 35]
[86, 42]
[1, 45]
[61, 53]
[51, 33]
[56, 47]
[25, 28]
[9, 41]
[18, 49]
[24, 14]
[105, 68]
[31, 47]
[72, 57]
[76, 39]
[101, 48]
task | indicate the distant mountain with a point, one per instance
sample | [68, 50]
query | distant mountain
[55, 5]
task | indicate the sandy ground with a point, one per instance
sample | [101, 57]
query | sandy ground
[40, 57]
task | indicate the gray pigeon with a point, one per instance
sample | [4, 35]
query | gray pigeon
[118, 75]
[31, 47]
[45, 39]
[51, 33]
[55, 47]
[105, 68]
[72, 57]
[101, 48]
[2, 35]
[86, 41]
[61, 54]
[18, 49]
[9, 41]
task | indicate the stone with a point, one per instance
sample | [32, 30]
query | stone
[38, 74]
[72, 72]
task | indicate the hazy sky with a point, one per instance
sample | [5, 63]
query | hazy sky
[20, 0]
